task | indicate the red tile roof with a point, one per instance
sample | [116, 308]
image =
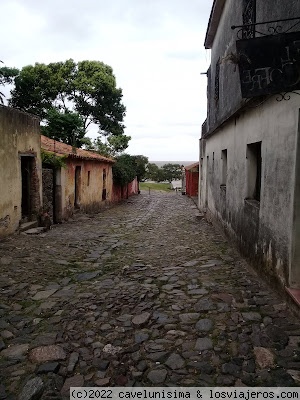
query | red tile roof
[53, 146]
[188, 167]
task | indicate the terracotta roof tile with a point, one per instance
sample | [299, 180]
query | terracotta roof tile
[53, 146]
[188, 167]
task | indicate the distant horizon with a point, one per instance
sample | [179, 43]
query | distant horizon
[184, 163]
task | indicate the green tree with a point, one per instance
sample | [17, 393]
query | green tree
[152, 171]
[141, 163]
[124, 169]
[87, 88]
[172, 172]
[64, 126]
[111, 145]
[6, 77]
[167, 172]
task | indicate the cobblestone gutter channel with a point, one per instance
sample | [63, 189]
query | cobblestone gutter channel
[141, 294]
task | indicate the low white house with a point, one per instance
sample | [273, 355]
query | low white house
[176, 184]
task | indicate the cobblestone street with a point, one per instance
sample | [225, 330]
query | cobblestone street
[145, 293]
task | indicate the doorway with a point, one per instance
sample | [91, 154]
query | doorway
[206, 181]
[77, 186]
[26, 173]
[104, 185]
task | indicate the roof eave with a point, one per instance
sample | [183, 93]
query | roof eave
[104, 160]
[214, 19]
[78, 156]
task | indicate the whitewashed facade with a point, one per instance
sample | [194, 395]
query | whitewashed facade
[250, 149]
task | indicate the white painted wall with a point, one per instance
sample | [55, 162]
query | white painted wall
[265, 232]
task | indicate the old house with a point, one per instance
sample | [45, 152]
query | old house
[191, 173]
[82, 181]
[20, 170]
[250, 147]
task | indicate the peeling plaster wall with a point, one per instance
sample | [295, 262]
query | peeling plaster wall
[123, 192]
[267, 232]
[90, 191]
[19, 134]
[229, 87]
[264, 233]
[224, 44]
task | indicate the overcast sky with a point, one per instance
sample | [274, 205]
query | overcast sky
[155, 48]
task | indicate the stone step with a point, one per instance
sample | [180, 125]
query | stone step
[28, 225]
[34, 231]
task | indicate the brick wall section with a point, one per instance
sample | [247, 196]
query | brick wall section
[36, 200]
[48, 181]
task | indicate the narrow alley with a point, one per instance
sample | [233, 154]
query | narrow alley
[146, 294]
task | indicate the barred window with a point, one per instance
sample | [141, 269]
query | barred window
[249, 17]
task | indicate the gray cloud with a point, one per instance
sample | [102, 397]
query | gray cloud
[155, 49]
[184, 55]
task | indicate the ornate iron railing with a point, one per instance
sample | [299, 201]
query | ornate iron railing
[265, 29]
[258, 101]
[249, 19]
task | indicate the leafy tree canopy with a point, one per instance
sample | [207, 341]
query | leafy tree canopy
[128, 167]
[152, 172]
[64, 126]
[87, 88]
[111, 145]
[172, 172]
[141, 163]
[6, 77]
[167, 172]
[124, 169]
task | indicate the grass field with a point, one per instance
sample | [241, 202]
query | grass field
[155, 186]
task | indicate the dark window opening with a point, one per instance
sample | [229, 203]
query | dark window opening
[104, 185]
[258, 173]
[104, 178]
[206, 181]
[224, 167]
[77, 187]
[201, 169]
[254, 170]
[26, 172]
[88, 178]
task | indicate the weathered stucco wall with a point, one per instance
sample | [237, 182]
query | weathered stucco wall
[123, 192]
[19, 135]
[90, 186]
[229, 91]
[224, 46]
[133, 187]
[262, 229]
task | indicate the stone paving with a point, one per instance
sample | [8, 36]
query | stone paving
[142, 294]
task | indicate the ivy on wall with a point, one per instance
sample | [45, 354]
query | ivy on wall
[53, 160]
